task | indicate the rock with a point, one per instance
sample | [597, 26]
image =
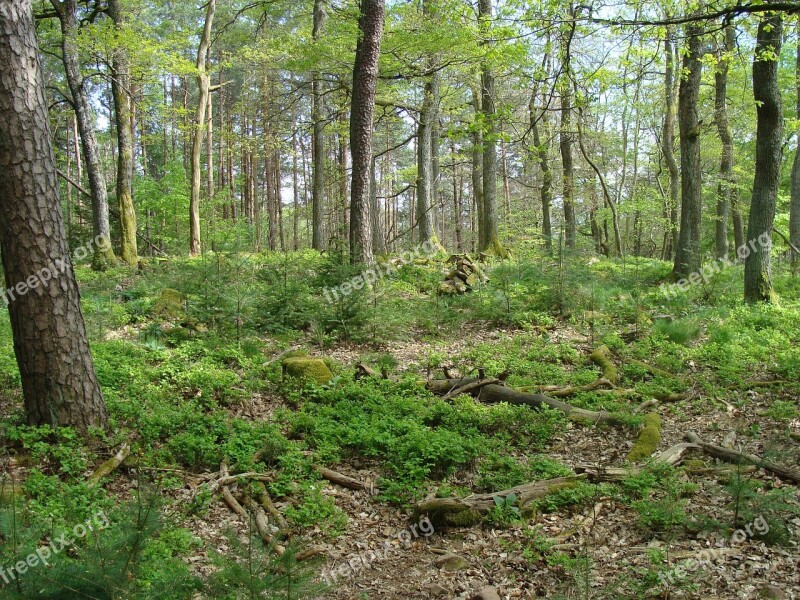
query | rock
[773, 592]
[487, 593]
[451, 562]
[305, 367]
[436, 590]
[171, 305]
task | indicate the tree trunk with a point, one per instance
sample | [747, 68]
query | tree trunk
[769, 133]
[59, 384]
[204, 85]
[67, 15]
[542, 149]
[726, 183]
[567, 163]
[365, 79]
[668, 149]
[491, 241]
[687, 253]
[120, 88]
[794, 205]
[477, 177]
[318, 143]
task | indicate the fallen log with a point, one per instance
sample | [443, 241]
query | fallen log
[602, 358]
[648, 440]
[495, 394]
[344, 480]
[672, 456]
[565, 392]
[109, 466]
[738, 458]
[465, 512]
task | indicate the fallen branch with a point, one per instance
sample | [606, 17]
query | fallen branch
[738, 458]
[564, 392]
[494, 394]
[110, 465]
[672, 456]
[344, 480]
[465, 512]
[469, 387]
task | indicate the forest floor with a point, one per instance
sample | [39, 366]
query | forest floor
[195, 386]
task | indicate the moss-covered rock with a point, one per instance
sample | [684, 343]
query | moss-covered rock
[171, 305]
[649, 439]
[305, 367]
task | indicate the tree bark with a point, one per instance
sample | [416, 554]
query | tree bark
[542, 149]
[668, 150]
[120, 89]
[204, 87]
[365, 79]
[59, 384]
[491, 241]
[687, 252]
[769, 133]
[67, 15]
[318, 142]
[726, 183]
[794, 205]
[565, 145]
[477, 176]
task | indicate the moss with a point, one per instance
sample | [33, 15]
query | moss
[600, 357]
[304, 367]
[495, 248]
[170, 305]
[648, 440]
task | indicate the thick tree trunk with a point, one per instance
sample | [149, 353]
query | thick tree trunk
[687, 253]
[67, 15]
[365, 79]
[726, 183]
[204, 88]
[769, 133]
[120, 89]
[542, 149]
[668, 149]
[491, 241]
[58, 378]
[318, 143]
[794, 205]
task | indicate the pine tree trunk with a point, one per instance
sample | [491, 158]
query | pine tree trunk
[769, 134]
[365, 79]
[59, 384]
[120, 89]
[67, 15]
[687, 253]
